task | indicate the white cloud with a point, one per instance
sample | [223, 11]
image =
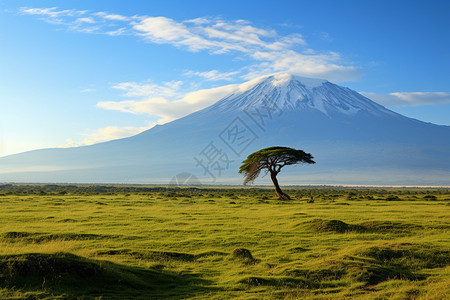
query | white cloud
[85, 20]
[134, 89]
[276, 52]
[51, 14]
[115, 17]
[199, 21]
[213, 75]
[215, 35]
[162, 30]
[309, 65]
[266, 50]
[105, 134]
[234, 36]
[117, 32]
[242, 27]
[70, 143]
[112, 133]
[168, 110]
[409, 99]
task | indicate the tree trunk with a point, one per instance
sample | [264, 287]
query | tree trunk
[278, 191]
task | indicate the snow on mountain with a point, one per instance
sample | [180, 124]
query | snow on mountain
[353, 139]
[290, 92]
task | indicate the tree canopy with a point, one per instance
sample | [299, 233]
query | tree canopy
[272, 159]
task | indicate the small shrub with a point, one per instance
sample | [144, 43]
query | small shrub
[242, 253]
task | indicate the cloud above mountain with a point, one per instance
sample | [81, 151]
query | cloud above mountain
[266, 50]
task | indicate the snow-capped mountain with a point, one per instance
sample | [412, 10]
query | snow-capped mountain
[353, 139]
[294, 93]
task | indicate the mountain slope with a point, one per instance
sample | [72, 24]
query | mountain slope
[354, 141]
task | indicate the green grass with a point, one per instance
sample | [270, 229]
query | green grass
[118, 242]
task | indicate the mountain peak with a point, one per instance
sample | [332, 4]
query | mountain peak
[284, 79]
[291, 92]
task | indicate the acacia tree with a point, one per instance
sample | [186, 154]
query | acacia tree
[271, 160]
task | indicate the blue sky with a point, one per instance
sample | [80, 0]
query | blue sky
[79, 72]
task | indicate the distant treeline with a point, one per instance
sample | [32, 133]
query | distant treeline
[266, 193]
[63, 189]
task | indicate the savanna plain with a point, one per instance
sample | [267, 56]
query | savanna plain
[153, 242]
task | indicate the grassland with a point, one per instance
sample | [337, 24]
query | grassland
[100, 242]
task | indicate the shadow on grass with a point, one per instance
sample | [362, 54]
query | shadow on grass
[161, 255]
[69, 276]
[382, 227]
[374, 265]
[35, 237]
